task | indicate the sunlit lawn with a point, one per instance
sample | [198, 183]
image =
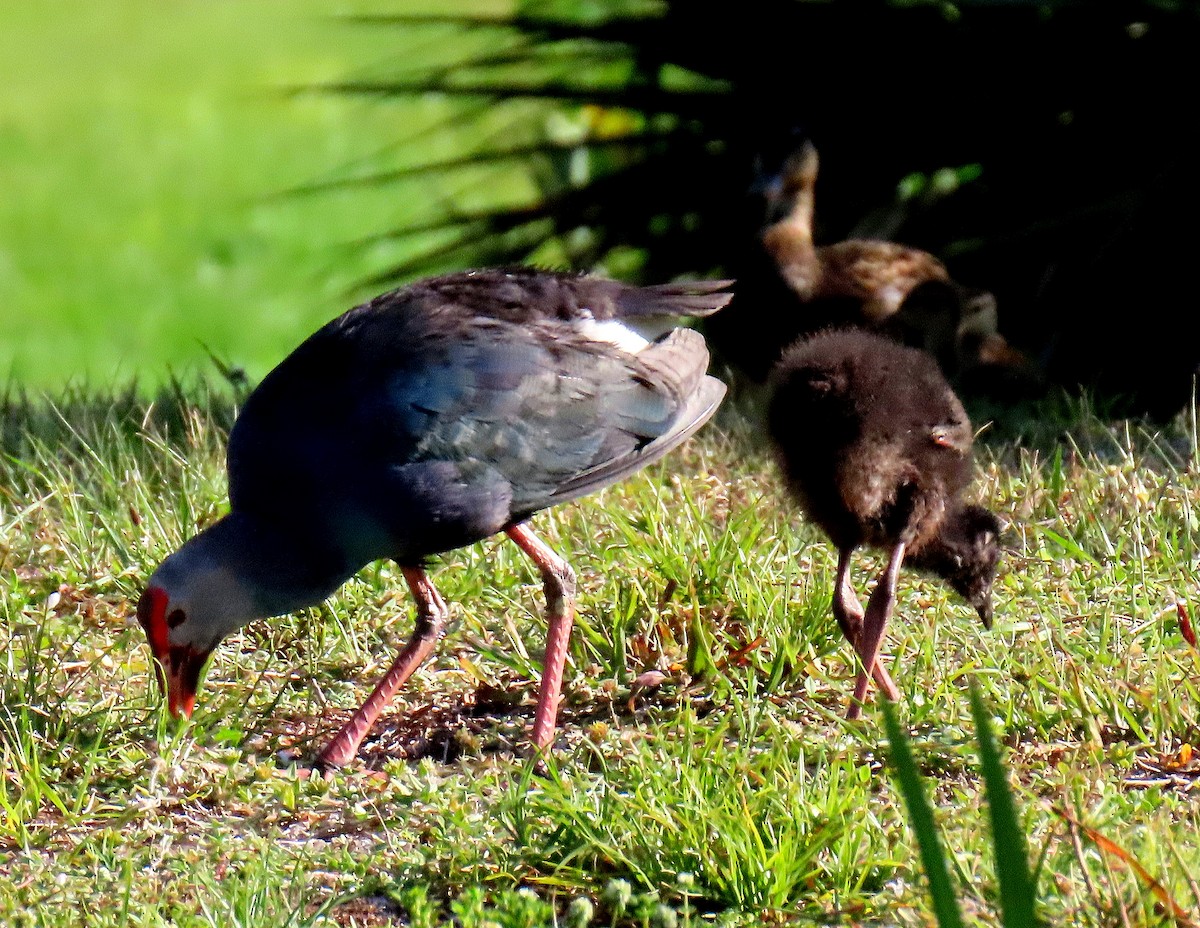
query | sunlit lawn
[728, 788]
[141, 146]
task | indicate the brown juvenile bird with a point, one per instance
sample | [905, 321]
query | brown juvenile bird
[903, 292]
[876, 448]
[874, 275]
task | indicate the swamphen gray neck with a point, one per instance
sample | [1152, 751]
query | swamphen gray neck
[427, 419]
[876, 448]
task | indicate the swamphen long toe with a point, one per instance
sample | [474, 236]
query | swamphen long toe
[427, 419]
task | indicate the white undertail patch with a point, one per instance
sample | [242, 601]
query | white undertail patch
[621, 333]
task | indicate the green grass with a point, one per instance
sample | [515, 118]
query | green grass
[142, 150]
[733, 790]
[1018, 892]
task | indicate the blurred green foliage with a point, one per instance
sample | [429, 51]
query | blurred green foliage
[142, 150]
[230, 175]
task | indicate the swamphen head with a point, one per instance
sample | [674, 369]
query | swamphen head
[235, 571]
[183, 629]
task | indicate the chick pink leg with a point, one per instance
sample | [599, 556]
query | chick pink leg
[879, 610]
[849, 614]
[430, 621]
[559, 582]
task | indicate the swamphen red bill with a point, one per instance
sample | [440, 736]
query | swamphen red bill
[430, 418]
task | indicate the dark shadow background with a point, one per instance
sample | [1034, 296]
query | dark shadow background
[1039, 149]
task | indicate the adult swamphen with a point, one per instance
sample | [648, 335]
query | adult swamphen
[427, 419]
[876, 448]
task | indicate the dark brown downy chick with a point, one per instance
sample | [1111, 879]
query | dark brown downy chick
[876, 448]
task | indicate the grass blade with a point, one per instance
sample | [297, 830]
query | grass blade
[1012, 857]
[920, 817]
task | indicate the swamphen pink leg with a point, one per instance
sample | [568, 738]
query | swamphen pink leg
[558, 581]
[879, 610]
[849, 614]
[430, 622]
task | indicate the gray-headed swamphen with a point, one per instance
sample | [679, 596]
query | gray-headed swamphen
[430, 418]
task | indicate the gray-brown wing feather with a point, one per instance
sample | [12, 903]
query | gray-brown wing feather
[695, 414]
[560, 417]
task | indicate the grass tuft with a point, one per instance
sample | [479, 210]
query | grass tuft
[1008, 840]
[703, 769]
